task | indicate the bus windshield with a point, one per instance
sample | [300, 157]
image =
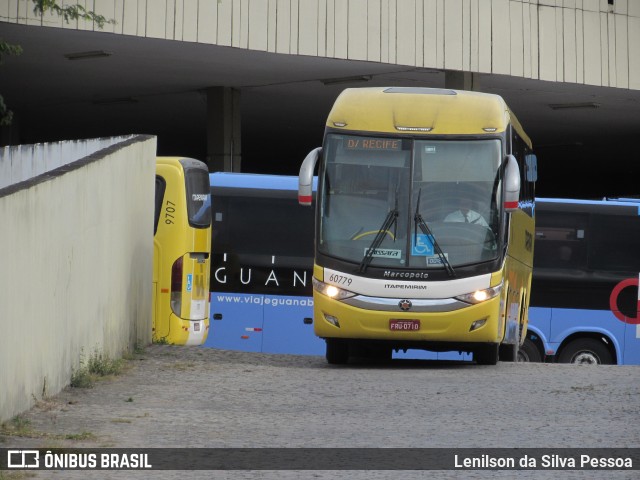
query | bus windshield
[398, 202]
[198, 197]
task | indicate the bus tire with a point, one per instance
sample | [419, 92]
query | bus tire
[585, 351]
[529, 352]
[337, 351]
[486, 354]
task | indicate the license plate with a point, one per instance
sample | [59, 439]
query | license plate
[404, 325]
[196, 327]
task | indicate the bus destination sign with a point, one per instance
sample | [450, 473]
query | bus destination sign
[369, 143]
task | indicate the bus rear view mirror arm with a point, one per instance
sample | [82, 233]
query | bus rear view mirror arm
[511, 184]
[305, 179]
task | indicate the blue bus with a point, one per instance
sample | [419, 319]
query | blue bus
[584, 294]
[584, 303]
[261, 266]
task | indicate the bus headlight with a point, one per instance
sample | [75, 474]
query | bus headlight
[480, 296]
[330, 290]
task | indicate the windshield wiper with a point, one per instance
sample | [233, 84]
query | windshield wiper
[390, 220]
[419, 222]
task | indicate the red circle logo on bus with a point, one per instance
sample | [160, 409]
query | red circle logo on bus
[613, 301]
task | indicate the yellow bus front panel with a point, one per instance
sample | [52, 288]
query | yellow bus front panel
[455, 326]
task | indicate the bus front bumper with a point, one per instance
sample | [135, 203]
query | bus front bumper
[479, 323]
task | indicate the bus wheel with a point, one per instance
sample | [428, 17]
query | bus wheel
[585, 351]
[337, 351]
[528, 352]
[486, 354]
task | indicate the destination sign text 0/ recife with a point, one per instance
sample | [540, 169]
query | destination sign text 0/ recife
[368, 143]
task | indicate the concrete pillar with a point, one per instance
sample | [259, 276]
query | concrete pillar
[223, 129]
[461, 80]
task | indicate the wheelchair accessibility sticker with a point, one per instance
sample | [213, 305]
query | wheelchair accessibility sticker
[422, 245]
[189, 282]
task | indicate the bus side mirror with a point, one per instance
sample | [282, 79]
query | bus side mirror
[511, 184]
[305, 179]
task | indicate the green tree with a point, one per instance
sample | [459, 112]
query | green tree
[68, 13]
[6, 115]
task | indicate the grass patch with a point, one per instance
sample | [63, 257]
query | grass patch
[97, 366]
[102, 366]
[19, 426]
[138, 351]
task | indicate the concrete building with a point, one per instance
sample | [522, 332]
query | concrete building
[246, 84]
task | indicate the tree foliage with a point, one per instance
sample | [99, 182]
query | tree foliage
[70, 12]
[6, 115]
[40, 7]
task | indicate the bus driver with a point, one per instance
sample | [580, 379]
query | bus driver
[465, 213]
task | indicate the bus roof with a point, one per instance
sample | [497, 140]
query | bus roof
[443, 111]
[576, 205]
[184, 161]
[604, 201]
[255, 180]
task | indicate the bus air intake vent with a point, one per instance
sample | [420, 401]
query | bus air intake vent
[420, 91]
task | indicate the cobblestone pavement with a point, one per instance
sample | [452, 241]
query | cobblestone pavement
[174, 396]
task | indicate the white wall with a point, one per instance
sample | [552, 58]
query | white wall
[76, 249]
[24, 162]
[576, 41]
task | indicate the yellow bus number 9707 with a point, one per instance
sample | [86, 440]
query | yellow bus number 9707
[169, 213]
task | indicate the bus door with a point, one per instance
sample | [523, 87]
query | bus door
[236, 321]
[289, 326]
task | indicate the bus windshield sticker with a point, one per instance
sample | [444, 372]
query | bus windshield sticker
[422, 245]
[385, 253]
[430, 149]
[363, 143]
[436, 261]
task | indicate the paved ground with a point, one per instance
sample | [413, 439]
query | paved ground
[196, 397]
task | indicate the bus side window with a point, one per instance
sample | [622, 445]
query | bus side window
[561, 241]
[614, 246]
[161, 186]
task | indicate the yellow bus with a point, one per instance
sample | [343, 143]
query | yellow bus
[182, 244]
[424, 224]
